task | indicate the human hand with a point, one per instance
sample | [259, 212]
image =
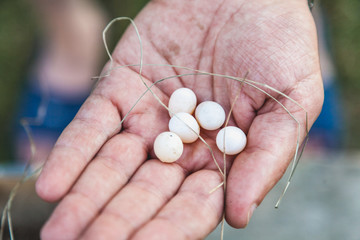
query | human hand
[105, 174]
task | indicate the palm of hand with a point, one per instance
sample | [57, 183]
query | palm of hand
[119, 188]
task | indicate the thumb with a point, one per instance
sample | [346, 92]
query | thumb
[272, 142]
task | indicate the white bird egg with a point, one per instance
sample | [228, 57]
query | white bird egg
[235, 140]
[210, 115]
[181, 123]
[182, 100]
[168, 147]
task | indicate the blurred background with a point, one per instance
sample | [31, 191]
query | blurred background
[322, 201]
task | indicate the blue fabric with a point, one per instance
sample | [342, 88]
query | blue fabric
[59, 110]
[330, 124]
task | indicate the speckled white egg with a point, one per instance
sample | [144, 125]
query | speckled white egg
[235, 140]
[210, 115]
[182, 100]
[168, 147]
[181, 123]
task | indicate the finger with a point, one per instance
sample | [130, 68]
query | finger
[192, 214]
[97, 120]
[272, 141]
[150, 188]
[108, 173]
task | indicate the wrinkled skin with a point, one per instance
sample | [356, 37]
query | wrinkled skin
[108, 179]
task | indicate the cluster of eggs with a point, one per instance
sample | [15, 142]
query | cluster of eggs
[185, 128]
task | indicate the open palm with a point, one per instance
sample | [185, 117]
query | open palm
[106, 175]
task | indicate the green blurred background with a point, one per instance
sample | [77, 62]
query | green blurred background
[19, 32]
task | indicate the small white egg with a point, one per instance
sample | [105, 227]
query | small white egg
[168, 147]
[210, 115]
[181, 123]
[182, 100]
[235, 140]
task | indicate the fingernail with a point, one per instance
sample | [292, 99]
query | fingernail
[251, 211]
